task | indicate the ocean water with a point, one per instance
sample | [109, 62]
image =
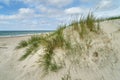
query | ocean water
[21, 33]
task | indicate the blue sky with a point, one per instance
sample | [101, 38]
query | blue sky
[48, 14]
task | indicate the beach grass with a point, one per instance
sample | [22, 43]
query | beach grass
[86, 25]
[90, 22]
[32, 45]
[57, 40]
[22, 44]
[47, 60]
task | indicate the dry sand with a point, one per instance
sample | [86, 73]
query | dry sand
[106, 67]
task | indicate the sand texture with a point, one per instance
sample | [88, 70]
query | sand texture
[102, 62]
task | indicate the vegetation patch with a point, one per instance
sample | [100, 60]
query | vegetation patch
[86, 25]
[57, 40]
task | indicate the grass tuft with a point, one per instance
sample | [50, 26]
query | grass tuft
[83, 31]
[55, 40]
[90, 22]
[22, 44]
[47, 60]
[32, 45]
[85, 25]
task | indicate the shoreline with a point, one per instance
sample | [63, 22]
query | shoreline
[24, 35]
[11, 34]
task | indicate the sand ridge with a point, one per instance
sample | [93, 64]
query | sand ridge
[105, 67]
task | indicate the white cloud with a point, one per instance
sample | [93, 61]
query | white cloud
[26, 18]
[87, 0]
[59, 3]
[8, 17]
[108, 13]
[22, 14]
[41, 8]
[48, 10]
[74, 10]
[24, 11]
[105, 4]
[33, 2]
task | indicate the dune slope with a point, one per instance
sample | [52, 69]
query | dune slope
[101, 60]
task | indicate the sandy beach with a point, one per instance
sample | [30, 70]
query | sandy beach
[59, 39]
[105, 67]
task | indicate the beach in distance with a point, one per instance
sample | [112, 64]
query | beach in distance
[22, 32]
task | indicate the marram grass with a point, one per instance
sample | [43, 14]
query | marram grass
[86, 25]
[56, 40]
[22, 44]
[31, 45]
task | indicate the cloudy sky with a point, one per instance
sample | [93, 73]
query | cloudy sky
[48, 14]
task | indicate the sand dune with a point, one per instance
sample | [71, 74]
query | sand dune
[104, 67]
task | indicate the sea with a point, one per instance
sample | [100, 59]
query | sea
[22, 33]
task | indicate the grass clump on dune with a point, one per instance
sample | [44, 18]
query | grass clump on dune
[56, 40]
[83, 31]
[90, 22]
[50, 42]
[86, 25]
[31, 45]
[75, 25]
[22, 44]
[47, 60]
